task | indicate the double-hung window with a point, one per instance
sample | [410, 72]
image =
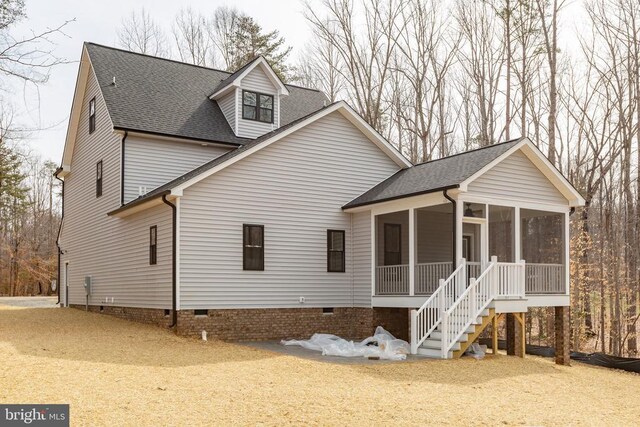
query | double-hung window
[257, 106]
[253, 247]
[153, 245]
[335, 251]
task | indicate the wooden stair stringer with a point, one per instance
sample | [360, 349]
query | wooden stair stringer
[464, 345]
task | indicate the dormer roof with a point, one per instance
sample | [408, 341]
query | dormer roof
[170, 98]
[235, 79]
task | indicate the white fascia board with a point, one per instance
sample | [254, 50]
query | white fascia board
[465, 184]
[541, 162]
[266, 68]
[225, 90]
[76, 108]
[374, 136]
[339, 106]
[271, 75]
[143, 206]
[551, 172]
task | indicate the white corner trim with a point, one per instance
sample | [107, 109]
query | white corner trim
[339, 106]
[541, 162]
[266, 68]
[177, 237]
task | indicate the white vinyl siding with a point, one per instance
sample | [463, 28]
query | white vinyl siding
[516, 179]
[295, 188]
[257, 81]
[115, 252]
[151, 163]
[228, 105]
[361, 259]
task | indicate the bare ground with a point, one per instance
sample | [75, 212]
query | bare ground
[114, 372]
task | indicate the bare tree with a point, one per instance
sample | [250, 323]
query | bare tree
[191, 35]
[365, 47]
[138, 32]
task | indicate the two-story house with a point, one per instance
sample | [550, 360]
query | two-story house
[253, 209]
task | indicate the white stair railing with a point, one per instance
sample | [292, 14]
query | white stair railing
[468, 307]
[426, 318]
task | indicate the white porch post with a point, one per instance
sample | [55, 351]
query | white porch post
[412, 251]
[373, 254]
[458, 233]
[567, 255]
[517, 238]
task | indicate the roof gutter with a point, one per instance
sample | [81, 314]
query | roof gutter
[403, 196]
[138, 201]
[454, 223]
[122, 159]
[174, 237]
[186, 138]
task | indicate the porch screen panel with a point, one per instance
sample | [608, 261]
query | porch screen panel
[501, 233]
[392, 244]
[542, 236]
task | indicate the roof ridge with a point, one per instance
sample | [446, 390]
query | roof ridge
[469, 151]
[157, 57]
[175, 61]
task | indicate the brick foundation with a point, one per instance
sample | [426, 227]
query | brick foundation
[152, 316]
[271, 323]
[562, 335]
[513, 335]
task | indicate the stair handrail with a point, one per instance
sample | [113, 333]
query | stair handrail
[468, 306]
[427, 318]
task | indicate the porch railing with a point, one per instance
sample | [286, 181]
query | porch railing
[392, 280]
[510, 277]
[428, 275]
[544, 279]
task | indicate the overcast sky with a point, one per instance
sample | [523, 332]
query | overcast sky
[97, 22]
[48, 108]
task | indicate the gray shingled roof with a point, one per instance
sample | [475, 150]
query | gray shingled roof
[436, 175]
[172, 98]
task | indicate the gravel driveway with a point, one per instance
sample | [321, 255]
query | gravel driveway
[32, 302]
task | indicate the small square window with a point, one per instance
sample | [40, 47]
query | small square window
[257, 106]
[327, 310]
[201, 312]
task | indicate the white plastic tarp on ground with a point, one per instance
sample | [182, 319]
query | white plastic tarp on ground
[382, 345]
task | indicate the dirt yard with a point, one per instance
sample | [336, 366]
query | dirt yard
[114, 372]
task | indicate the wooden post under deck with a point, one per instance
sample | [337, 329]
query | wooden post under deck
[494, 334]
[520, 317]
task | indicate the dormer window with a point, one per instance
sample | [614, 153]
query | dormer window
[257, 106]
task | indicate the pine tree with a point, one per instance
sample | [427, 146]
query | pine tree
[249, 41]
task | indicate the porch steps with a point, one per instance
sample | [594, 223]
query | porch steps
[431, 347]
